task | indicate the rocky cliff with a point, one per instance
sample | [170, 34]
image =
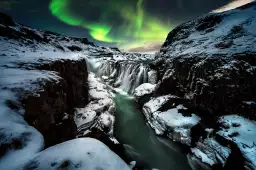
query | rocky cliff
[45, 83]
[206, 90]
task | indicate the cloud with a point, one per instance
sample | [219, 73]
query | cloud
[232, 5]
[147, 47]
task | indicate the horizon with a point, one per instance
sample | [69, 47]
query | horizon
[142, 35]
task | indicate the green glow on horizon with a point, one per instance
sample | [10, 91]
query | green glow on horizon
[136, 28]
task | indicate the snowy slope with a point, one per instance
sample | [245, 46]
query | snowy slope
[226, 33]
[87, 153]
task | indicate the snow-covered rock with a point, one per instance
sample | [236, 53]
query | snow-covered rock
[144, 89]
[83, 153]
[154, 104]
[209, 63]
[226, 33]
[100, 110]
[18, 143]
[242, 132]
[170, 122]
[152, 77]
[210, 152]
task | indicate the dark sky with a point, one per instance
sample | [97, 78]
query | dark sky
[121, 22]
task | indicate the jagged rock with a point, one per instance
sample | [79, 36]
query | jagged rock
[143, 89]
[46, 112]
[152, 77]
[6, 20]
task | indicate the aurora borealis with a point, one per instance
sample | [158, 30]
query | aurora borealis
[135, 24]
[123, 23]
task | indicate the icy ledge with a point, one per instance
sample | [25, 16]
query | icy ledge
[79, 154]
[170, 122]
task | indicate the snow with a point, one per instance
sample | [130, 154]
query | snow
[18, 77]
[211, 152]
[100, 109]
[84, 115]
[106, 119]
[250, 102]
[155, 103]
[152, 76]
[21, 141]
[80, 154]
[172, 118]
[15, 81]
[171, 121]
[202, 156]
[204, 43]
[144, 89]
[246, 135]
[246, 130]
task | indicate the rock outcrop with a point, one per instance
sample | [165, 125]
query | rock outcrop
[208, 65]
[51, 112]
[44, 79]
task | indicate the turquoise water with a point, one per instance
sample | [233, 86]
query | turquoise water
[141, 142]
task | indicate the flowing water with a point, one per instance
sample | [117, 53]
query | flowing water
[140, 141]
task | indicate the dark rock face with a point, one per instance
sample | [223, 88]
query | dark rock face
[6, 20]
[51, 112]
[209, 63]
[235, 159]
[208, 85]
[74, 48]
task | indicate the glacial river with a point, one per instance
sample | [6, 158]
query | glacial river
[140, 141]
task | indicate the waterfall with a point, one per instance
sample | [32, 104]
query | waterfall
[126, 75]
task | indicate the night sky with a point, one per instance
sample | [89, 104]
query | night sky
[123, 23]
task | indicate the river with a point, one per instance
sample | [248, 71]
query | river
[140, 141]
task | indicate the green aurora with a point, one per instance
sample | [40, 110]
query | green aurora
[125, 23]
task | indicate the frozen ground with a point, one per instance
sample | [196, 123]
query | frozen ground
[87, 153]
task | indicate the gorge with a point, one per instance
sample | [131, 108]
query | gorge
[66, 103]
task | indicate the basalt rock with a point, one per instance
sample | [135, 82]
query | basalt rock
[51, 112]
[209, 84]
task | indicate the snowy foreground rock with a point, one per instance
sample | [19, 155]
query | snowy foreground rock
[83, 153]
